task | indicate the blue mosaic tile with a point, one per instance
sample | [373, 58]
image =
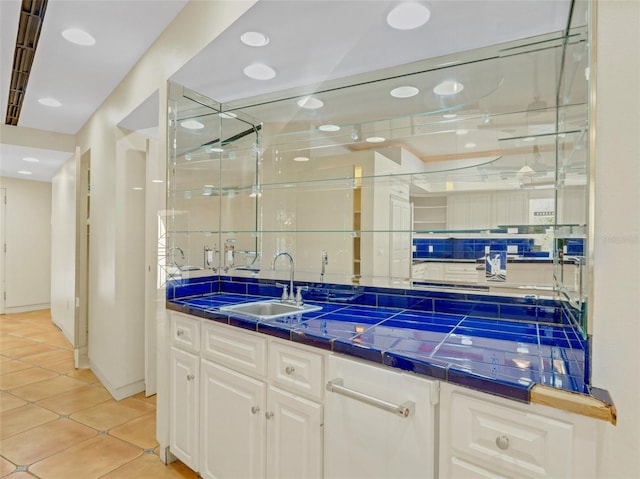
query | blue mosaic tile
[525, 313]
[466, 307]
[301, 336]
[498, 387]
[354, 348]
[232, 287]
[191, 289]
[405, 302]
[280, 329]
[430, 368]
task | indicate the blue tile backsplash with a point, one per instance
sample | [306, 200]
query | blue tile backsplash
[501, 345]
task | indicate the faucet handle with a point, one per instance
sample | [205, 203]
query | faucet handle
[299, 294]
[285, 294]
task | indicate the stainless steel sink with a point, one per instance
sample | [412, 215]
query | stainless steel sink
[269, 309]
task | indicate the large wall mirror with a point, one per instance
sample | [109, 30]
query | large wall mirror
[465, 173]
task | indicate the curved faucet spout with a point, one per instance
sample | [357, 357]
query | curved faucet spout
[291, 271]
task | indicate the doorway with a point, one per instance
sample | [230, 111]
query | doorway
[3, 248]
[83, 253]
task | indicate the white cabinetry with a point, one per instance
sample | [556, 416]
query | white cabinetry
[469, 211]
[366, 435]
[483, 436]
[184, 381]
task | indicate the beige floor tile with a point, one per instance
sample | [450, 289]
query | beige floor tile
[143, 397]
[140, 432]
[9, 401]
[64, 366]
[26, 376]
[9, 342]
[44, 441]
[20, 475]
[47, 388]
[107, 453]
[34, 348]
[42, 359]
[55, 338]
[85, 375]
[12, 365]
[23, 418]
[112, 414]
[149, 466]
[76, 400]
[6, 467]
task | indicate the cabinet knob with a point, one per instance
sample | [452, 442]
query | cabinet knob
[190, 377]
[255, 409]
[289, 370]
[268, 414]
[502, 442]
[180, 332]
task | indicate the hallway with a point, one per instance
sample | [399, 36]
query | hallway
[57, 422]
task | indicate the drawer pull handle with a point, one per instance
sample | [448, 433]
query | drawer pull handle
[289, 370]
[402, 410]
[255, 409]
[502, 442]
[180, 332]
[190, 377]
[268, 414]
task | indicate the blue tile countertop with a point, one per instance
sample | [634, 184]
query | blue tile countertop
[502, 348]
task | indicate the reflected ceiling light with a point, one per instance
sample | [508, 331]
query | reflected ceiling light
[329, 128]
[375, 139]
[187, 157]
[49, 102]
[526, 170]
[157, 181]
[466, 341]
[254, 39]
[25, 172]
[301, 158]
[310, 103]
[408, 15]
[79, 37]
[404, 92]
[137, 188]
[30, 159]
[529, 138]
[227, 115]
[448, 87]
[259, 71]
[192, 125]
[470, 145]
[462, 131]
[448, 116]
[215, 149]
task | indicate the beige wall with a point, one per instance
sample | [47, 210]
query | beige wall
[28, 240]
[616, 298]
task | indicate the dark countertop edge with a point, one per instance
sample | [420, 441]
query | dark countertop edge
[597, 405]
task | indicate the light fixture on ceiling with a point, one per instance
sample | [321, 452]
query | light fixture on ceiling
[254, 39]
[259, 71]
[48, 101]
[227, 115]
[329, 127]
[470, 145]
[449, 116]
[404, 92]
[215, 149]
[375, 139]
[137, 188]
[408, 16]
[301, 158]
[30, 159]
[191, 125]
[25, 172]
[310, 103]
[157, 181]
[78, 37]
[462, 131]
[448, 87]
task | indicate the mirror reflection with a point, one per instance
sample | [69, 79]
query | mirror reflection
[467, 172]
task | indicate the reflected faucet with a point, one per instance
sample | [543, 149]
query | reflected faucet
[292, 297]
[325, 262]
[173, 258]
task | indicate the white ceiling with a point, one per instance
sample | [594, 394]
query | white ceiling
[311, 41]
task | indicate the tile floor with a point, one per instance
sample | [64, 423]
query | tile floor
[57, 422]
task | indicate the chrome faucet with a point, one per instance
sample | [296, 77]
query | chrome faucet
[325, 262]
[292, 297]
[173, 257]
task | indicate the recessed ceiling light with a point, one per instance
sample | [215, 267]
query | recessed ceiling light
[227, 115]
[470, 145]
[329, 128]
[137, 188]
[79, 37]
[404, 92]
[448, 87]
[310, 103]
[30, 159]
[408, 15]
[49, 102]
[25, 172]
[375, 139]
[254, 39]
[259, 71]
[157, 181]
[192, 125]
[301, 158]
[462, 132]
[449, 115]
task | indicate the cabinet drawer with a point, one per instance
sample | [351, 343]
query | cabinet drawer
[237, 349]
[522, 443]
[185, 332]
[296, 369]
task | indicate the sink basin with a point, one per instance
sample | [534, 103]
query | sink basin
[269, 309]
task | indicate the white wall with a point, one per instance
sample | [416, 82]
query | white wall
[63, 244]
[28, 240]
[616, 254]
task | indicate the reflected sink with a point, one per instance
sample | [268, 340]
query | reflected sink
[269, 309]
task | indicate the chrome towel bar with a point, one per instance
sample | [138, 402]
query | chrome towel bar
[402, 410]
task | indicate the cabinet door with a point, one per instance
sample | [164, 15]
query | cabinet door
[294, 436]
[183, 423]
[232, 424]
